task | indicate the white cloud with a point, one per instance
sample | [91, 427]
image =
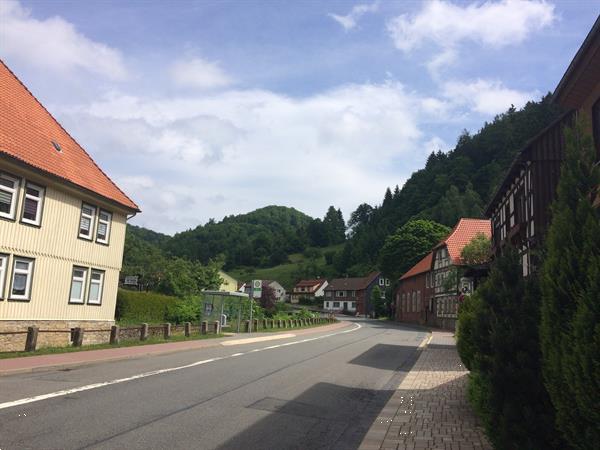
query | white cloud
[486, 96]
[199, 73]
[351, 19]
[495, 24]
[190, 158]
[54, 44]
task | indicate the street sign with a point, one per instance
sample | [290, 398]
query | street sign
[256, 288]
[131, 280]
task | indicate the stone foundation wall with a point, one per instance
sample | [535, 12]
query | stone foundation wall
[52, 333]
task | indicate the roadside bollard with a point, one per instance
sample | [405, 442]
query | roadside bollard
[78, 337]
[204, 327]
[144, 332]
[278, 323]
[187, 329]
[114, 334]
[167, 330]
[217, 327]
[31, 342]
[272, 325]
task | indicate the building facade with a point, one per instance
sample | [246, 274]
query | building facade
[229, 284]
[520, 208]
[414, 294]
[353, 295]
[447, 270]
[308, 290]
[62, 227]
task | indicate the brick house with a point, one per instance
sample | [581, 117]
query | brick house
[414, 294]
[520, 208]
[447, 263]
[353, 295]
[62, 227]
[308, 289]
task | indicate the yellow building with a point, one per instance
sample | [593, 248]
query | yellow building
[62, 227]
[229, 283]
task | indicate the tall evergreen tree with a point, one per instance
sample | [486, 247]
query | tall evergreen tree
[570, 325]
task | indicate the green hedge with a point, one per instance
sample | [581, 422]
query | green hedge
[133, 306]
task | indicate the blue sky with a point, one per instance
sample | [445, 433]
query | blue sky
[202, 109]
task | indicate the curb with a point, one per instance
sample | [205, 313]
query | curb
[149, 353]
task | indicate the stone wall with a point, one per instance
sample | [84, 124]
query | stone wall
[52, 333]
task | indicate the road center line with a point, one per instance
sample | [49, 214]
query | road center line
[89, 387]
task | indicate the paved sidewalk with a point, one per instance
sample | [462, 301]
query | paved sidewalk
[430, 409]
[11, 366]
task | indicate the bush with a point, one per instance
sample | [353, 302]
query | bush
[138, 307]
[304, 313]
[186, 309]
[570, 330]
[498, 340]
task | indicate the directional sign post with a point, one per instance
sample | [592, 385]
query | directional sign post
[255, 292]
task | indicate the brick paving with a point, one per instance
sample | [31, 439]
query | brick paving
[430, 410]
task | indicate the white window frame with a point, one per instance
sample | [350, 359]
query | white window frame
[92, 218]
[83, 280]
[39, 200]
[334, 305]
[100, 284]
[3, 271]
[15, 195]
[381, 282]
[340, 294]
[108, 224]
[29, 272]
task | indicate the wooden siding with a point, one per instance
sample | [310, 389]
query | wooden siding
[56, 248]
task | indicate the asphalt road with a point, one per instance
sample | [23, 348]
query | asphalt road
[319, 394]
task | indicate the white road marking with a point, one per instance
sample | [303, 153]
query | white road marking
[258, 339]
[89, 387]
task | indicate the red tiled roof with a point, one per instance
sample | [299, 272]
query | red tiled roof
[422, 266]
[27, 133]
[309, 283]
[464, 231]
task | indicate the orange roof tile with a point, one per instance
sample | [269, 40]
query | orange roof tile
[464, 231]
[422, 266]
[27, 133]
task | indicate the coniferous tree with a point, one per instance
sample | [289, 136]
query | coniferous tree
[570, 330]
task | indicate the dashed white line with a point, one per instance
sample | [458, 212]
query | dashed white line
[89, 387]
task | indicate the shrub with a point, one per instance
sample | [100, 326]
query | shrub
[498, 339]
[570, 330]
[133, 306]
[186, 309]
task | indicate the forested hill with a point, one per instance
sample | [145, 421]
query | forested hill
[261, 238]
[455, 184]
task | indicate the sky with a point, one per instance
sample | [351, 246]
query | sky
[203, 109]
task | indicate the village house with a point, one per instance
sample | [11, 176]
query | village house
[62, 227]
[278, 289]
[447, 270]
[228, 284]
[353, 295]
[308, 290]
[520, 208]
[414, 294]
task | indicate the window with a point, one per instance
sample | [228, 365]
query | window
[103, 233]
[381, 282]
[8, 195]
[336, 304]
[340, 293]
[387, 281]
[353, 293]
[353, 305]
[21, 280]
[32, 205]
[414, 301]
[3, 265]
[418, 300]
[86, 223]
[95, 290]
[78, 285]
[329, 293]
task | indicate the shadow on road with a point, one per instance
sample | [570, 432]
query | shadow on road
[325, 416]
